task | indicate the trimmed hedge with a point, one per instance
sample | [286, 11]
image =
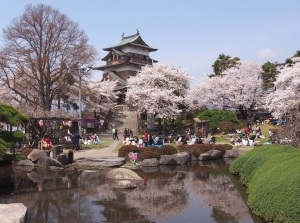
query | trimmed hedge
[147, 152]
[272, 176]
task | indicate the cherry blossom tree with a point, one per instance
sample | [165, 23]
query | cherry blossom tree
[102, 96]
[283, 102]
[158, 89]
[239, 87]
[287, 87]
[39, 47]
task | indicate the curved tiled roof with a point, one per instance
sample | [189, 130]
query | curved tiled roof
[130, 40]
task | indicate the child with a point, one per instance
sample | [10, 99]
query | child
[133, 156]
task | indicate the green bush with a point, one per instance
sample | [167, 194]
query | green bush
[272, 176]
[216, 117]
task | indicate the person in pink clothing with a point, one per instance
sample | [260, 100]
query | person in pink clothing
[133, 156]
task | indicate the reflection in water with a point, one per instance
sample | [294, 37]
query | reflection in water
[202, 192]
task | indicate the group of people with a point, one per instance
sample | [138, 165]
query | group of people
[46, 142]
[91, 139]
[248, 135]
[190, 138]
[145, 141]
[128, 133]
[149, 140]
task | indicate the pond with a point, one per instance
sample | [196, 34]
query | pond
[200, 192]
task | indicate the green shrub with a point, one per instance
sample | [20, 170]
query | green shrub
[216, 117]
[272, 176]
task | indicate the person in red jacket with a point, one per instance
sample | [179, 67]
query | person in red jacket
[145, 139]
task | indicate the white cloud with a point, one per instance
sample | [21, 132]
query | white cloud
[268, 53]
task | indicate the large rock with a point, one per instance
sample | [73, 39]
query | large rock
[125, 184]
[231, 154]
[95, 163]
[47, 162]
[204, 156]
[122, 174]
[215, 154]
[63, 159]
[13, 213]
[211, 155]
[175, 159]
[36, 154]
[153, 162]
[25, 163]
[70, 155]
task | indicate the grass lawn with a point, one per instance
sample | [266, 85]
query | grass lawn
[224, 138]
[105, 142]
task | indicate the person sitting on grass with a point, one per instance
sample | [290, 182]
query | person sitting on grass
[159, 142]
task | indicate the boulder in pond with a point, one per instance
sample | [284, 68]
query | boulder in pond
[14, 212]
[25, 163]
[47, 162]
[36, 154]
[153, 162]
[95, 163]
[125, 184]
[122, 174]
[175, 159]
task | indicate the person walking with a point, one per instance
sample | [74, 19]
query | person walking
[113, 132]
[77, 139]
[116, 134]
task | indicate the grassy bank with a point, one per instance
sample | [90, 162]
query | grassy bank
[271, 174]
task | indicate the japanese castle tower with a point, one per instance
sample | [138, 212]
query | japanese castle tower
[125, 59]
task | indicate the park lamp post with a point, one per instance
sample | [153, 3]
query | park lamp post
[82, 70]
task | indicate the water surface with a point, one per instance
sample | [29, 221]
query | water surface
[201, 192]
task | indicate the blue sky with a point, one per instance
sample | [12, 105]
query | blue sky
[190, 34]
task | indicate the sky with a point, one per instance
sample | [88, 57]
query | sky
[190, 34]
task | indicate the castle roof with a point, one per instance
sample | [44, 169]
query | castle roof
[135, 40]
